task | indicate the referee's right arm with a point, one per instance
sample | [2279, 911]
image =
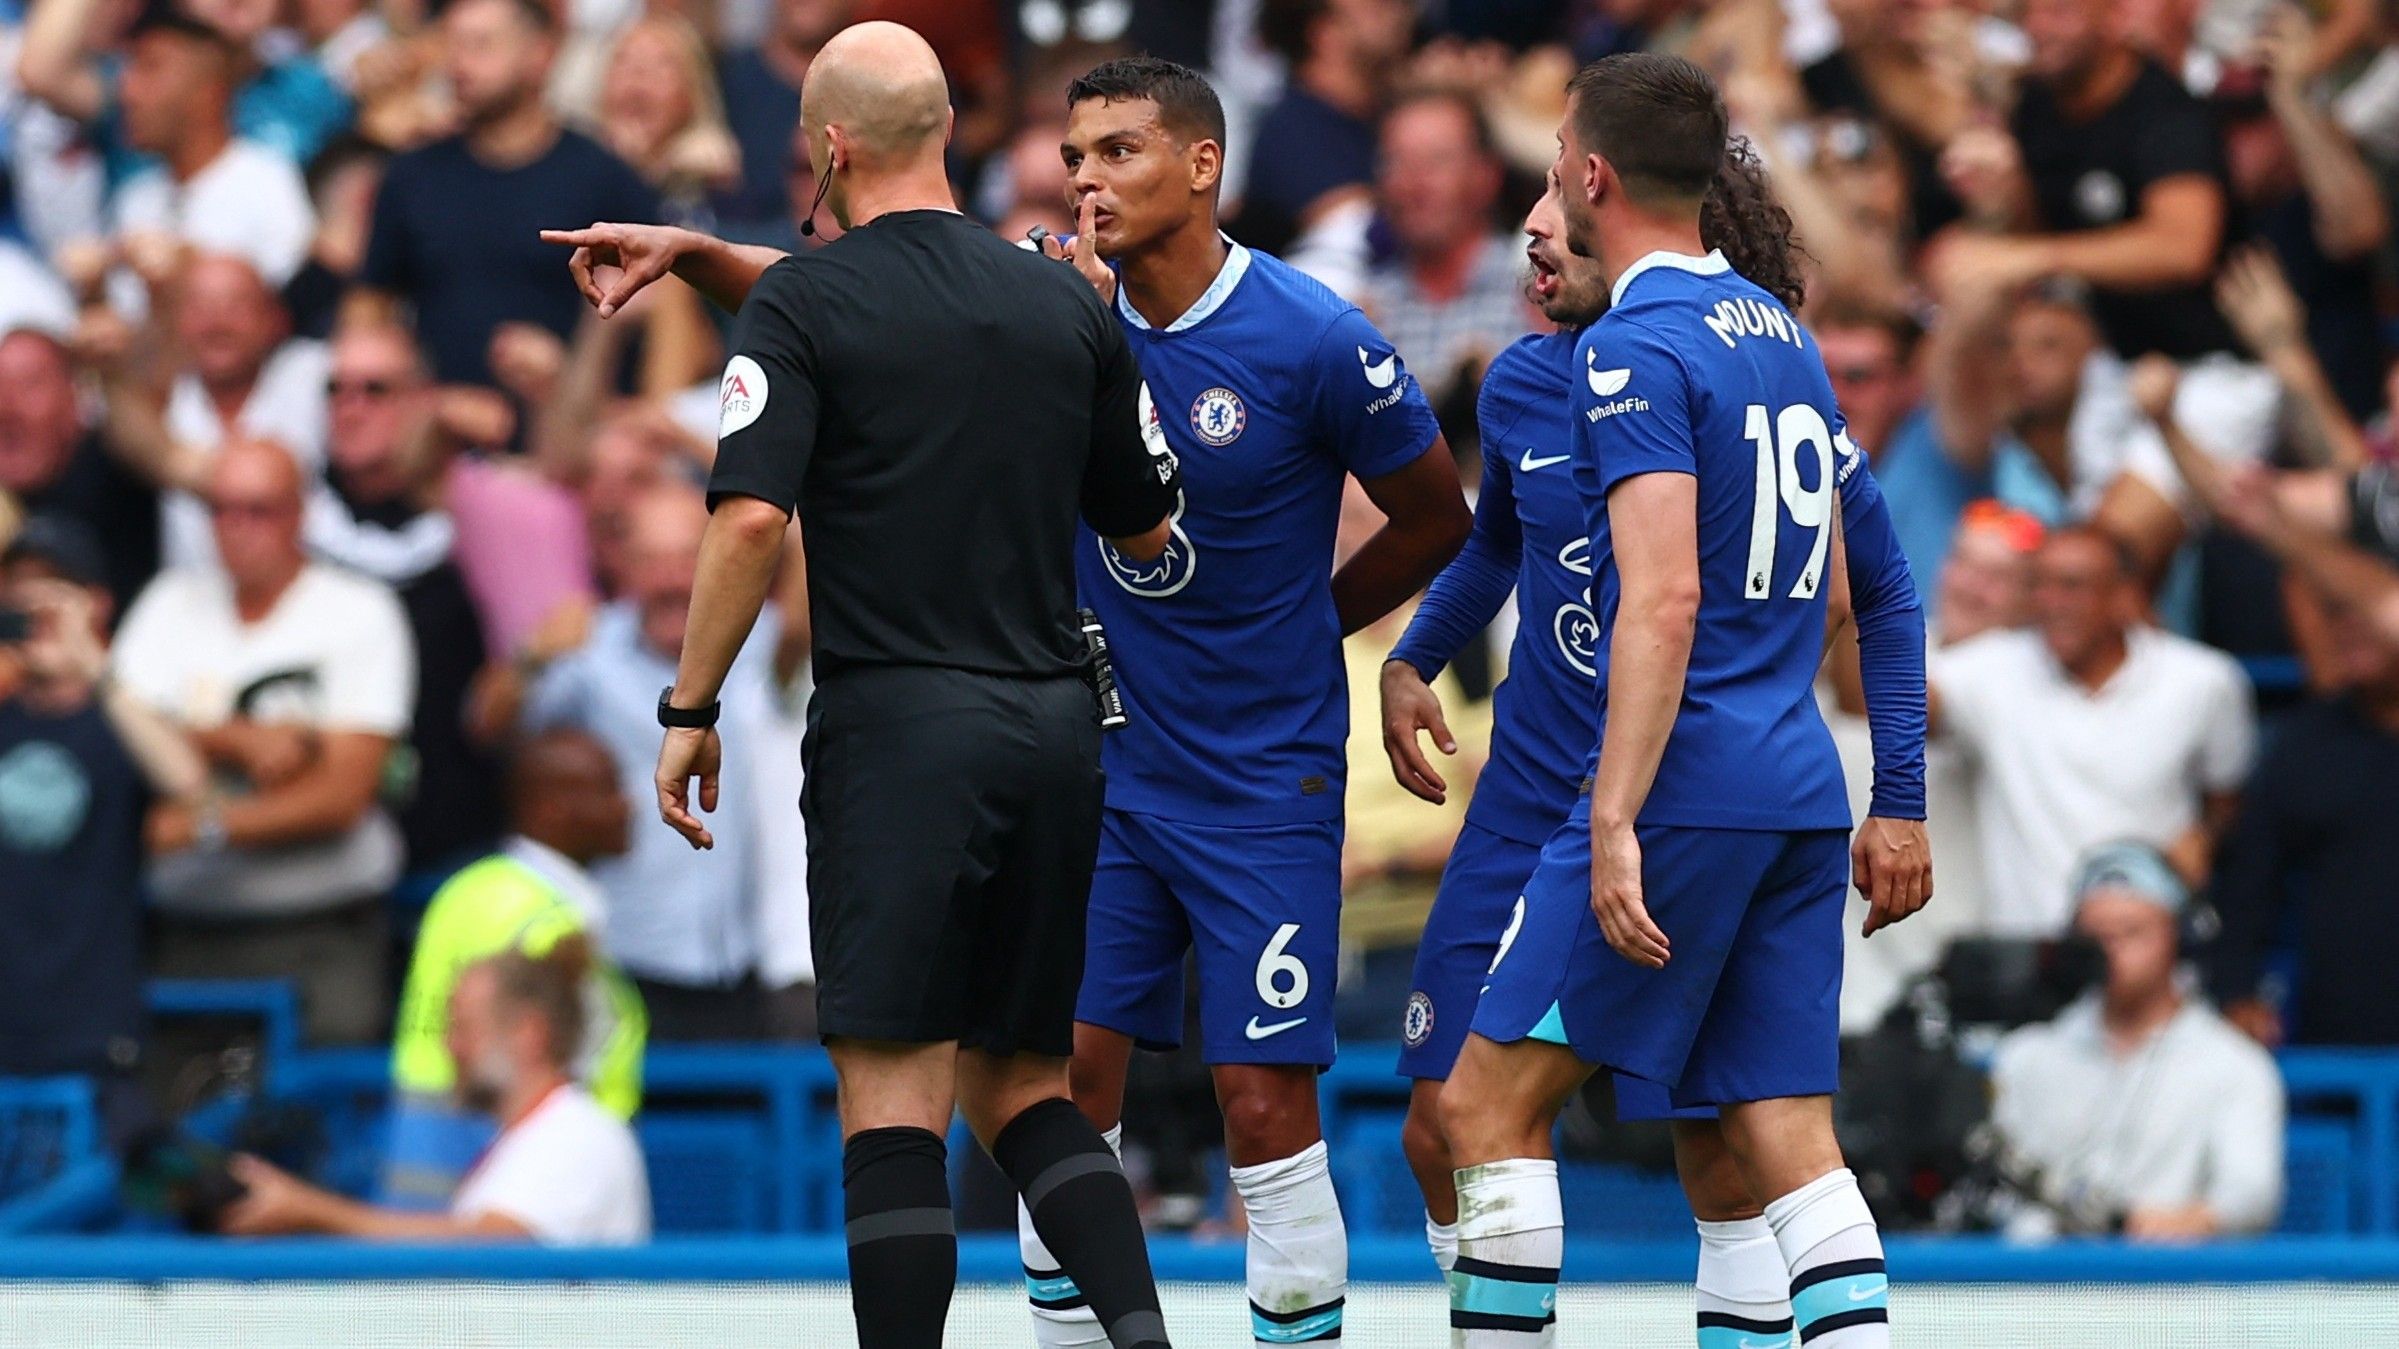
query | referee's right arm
[1132, 481]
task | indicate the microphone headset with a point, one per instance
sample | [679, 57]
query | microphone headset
[824, 183]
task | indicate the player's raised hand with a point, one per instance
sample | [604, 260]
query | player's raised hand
[1891, 862]
[1085, 255]
[689, 753]
[1411, 708]
[612, 263]
[1616, 898]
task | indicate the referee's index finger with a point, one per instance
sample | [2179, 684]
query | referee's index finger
[575, 238]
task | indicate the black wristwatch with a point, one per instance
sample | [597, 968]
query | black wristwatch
[685, 718]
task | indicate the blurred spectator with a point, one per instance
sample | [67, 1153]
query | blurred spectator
[1308, 194]
[381, 515]
[1033, 187]
[2022, 390]
[2109, 172]
[1452, 297]
[295, 679]
[80, 762]
[563, 1171]
[565, 812]
[457, 224]
[2308, 194]
[1985, 585]
[51, 462]
[2090, 726]
[241, 373]
[340, 34]
[285, 105]
[208, 188]
[1870, 357]
[2139, 1106]
[684, 925]
[661, 113]
[2313, 852]
[762, 105]
[1895, 80]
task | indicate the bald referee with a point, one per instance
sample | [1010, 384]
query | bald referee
[937, 406]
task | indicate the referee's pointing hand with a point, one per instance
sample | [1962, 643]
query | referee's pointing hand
[689, 753]
[611, 263]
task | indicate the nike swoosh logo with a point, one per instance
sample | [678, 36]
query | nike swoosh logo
[1861, 1294]
[1529, 463]
[1380, 373]
[1257, 1032]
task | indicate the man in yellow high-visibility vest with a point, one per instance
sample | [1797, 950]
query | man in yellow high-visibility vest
[566, 811]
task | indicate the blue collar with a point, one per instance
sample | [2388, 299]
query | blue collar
[1236, 266]
[1711, 265]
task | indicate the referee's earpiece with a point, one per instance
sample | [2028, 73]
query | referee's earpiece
[824, 183]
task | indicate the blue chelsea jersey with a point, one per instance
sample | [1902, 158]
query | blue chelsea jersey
[1695, 370]
[1541, 731]
[1269, 389]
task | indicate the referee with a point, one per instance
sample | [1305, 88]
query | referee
[937, 406]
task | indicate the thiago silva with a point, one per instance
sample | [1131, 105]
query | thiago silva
[1222, 835]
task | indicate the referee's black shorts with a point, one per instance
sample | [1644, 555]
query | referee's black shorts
[953, 820]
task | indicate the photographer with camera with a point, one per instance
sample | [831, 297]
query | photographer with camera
[2138, 1109]
[80, 762]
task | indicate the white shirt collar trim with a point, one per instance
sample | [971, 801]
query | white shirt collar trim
[1711, 265]
[573, 883]
[1236, 266]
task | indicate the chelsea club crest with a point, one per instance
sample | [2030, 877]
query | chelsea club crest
[1416, 1024]
[1217, 416]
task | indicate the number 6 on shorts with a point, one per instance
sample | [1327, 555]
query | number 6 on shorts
[1276, 965]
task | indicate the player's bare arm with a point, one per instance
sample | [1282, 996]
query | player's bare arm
[1653, 520]
[612, 263]
[738, 558]
[1425, 523]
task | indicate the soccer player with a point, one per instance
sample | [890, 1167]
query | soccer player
[1682, 926]
[1529, 537]
[1223, 826]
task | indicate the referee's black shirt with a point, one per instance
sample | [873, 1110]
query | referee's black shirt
[938, 404]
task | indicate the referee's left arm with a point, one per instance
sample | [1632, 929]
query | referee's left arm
[766, 432]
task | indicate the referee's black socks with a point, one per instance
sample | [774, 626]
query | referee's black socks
[1083, 1208]
[895, 1189]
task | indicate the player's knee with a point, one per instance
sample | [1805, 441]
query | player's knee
[1267, 1119]
[1422, 1139]
[1467, 1120]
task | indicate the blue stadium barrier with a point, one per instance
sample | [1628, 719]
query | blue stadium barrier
[273, 1003]
[2343, 1167]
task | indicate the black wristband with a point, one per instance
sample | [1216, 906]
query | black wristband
[685, 718]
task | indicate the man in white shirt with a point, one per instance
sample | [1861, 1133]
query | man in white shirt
[295, 679]
[242, 374]
[2139, 1107]
[210, 190]
[563, 1171]
[2087, 727]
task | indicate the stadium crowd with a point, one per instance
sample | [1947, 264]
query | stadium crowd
[346, 549]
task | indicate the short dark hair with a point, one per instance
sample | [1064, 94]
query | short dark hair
[535, 14]
[1656, 118]
[1479, 126]
[168, 18]
[1187, 103]
[1848, 313]
[1284, 26]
